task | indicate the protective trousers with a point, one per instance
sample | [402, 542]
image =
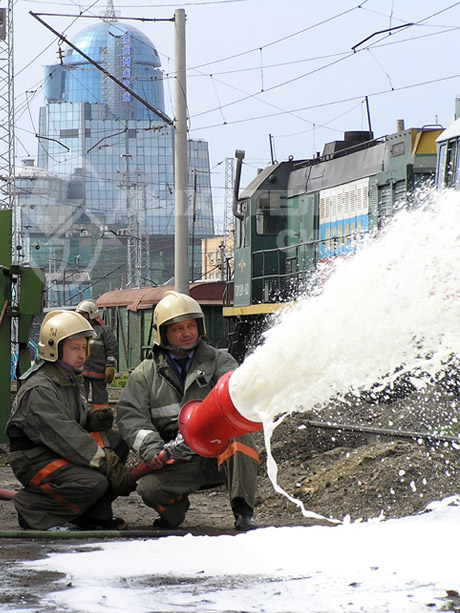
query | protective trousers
[60, 492]
[167, 490]
[99, 393]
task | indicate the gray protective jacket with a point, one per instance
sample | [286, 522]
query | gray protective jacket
[103, 350]
[150, 403]
[48, 421]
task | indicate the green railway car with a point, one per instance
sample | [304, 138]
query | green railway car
[298, 214]
[129, 315]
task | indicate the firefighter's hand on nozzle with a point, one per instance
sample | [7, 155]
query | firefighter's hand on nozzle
[174, 450]
[159, 460]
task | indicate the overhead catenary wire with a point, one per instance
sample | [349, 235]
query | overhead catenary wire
[334, 102]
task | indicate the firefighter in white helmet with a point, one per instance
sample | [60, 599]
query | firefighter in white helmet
[99, 368]
[182, 367]
[68, 458]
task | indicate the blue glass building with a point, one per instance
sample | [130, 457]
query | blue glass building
[116, 155]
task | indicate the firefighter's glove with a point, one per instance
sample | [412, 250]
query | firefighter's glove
[174, 450]
[178, 449]
[99, 419]
[159, 460]
[118, 475]
[109, 373]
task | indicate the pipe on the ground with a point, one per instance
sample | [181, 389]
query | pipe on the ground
[52, 535]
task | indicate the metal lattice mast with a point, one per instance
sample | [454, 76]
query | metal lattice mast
[227, 244]
[138, 238]
[228, 195]
[7, 112]
[143, 233]
[109, 14]
[138, 249]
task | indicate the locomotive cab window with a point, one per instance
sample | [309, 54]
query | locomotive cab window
[242, 227]
[269, 215]
[448, 165]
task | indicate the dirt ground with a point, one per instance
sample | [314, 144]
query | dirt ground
[334, 473]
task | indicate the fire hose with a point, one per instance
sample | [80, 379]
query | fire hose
[6, 494]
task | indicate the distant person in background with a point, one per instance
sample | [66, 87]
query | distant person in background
[99, 368]
[182, 367]
[67, 457]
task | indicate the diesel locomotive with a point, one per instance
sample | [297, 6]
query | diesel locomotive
[296, 216]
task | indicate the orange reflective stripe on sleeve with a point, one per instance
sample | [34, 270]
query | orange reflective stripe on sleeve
[237, 447]
[47, 470]
[100, 406]
[97, 437]
[94, 375]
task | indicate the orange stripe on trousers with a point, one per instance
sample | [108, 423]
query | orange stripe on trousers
[45, 472]
[62, 501]
[238, 447]
[161, 509]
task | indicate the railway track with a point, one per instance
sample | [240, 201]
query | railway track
[385, 432]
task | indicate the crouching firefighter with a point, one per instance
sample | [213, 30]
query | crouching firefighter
[68, 458]
[182, 367]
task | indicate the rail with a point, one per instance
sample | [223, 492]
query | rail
[361, 429]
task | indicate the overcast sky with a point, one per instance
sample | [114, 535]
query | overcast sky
[263, 67]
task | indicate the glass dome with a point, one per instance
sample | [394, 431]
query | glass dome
[96, 38]
[127, 54]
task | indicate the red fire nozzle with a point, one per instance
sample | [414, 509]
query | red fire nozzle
[208, 425]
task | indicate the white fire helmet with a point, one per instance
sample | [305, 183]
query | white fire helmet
[58, 326]
[174, 307]
[89, 307]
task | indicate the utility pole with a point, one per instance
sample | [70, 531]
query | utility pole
[181, 239]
